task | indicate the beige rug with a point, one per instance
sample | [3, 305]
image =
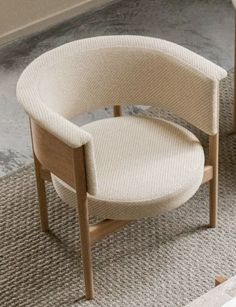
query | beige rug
[164, 261]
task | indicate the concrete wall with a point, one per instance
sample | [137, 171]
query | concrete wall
[22, 17]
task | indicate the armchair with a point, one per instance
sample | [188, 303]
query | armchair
[126, 167]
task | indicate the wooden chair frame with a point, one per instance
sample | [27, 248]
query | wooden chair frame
[52, 155]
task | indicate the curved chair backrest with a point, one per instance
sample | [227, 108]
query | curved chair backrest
[118, 70]
[122, 70]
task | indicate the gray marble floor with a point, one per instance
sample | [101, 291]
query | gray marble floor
[204, 26]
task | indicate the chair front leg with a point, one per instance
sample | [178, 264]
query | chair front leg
[213, 183]
[41, 195]
[68, 163]
[81, 191]
[86, 251]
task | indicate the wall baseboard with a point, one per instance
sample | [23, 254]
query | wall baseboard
[51, 20]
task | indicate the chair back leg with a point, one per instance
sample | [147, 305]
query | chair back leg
[213, 183]
[117, 111]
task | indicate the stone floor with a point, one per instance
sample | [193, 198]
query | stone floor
[204, 26]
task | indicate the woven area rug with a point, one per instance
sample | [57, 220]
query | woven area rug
[165, 261]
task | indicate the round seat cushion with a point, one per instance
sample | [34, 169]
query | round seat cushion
[145, 166]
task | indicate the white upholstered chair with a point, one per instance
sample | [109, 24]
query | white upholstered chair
[126, 167]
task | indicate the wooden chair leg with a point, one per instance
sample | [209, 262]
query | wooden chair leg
[213, 203]
[86, 254]
[81, 191]
[117, 111]
[213, 184]
[41, 196]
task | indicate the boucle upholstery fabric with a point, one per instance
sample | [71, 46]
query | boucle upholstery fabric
[109, 70]
[144, 167]
[117, 70]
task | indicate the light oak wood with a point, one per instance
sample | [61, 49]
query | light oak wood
[208, 173]
[41, 195]
[117, 111]
[219, 280]
[41, 189]
[81, 192]
[104, 228]
[213, 184]
[68, 164]
[53, 154]
[45, 174]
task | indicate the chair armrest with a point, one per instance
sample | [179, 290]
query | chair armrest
[62, 129]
